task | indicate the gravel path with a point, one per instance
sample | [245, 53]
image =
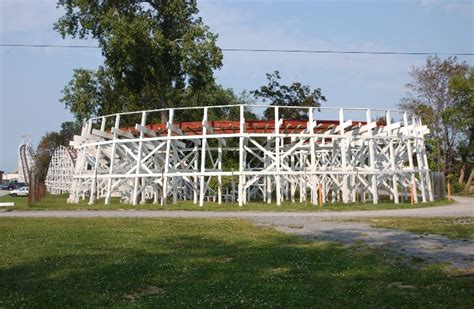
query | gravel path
[423, 249]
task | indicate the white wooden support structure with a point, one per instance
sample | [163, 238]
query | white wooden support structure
[61, 170]
[278, 159]
[164, 177]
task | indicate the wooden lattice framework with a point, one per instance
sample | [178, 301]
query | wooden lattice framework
[61, 170]
[312, 160]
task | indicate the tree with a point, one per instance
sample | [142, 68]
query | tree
[81, 95]
[156, 52]
[429, 97]
[294, 95]
[461, 89]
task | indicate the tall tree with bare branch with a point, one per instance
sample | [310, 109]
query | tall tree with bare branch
[429, 97]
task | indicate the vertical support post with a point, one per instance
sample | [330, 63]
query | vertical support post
[94, 194]
[139, 162]
[312, 149]
[80, 166]
[426, 167]
[302, 180]
[312, 158]
[409, 137]
[241, 157]
[268, 177]
[320, 195]
[112, 160]
[419, 158]
[277, 157]
[292, 163]
[265, 178]
[344, 151]
[195, 178]
[373, 175]
[388, 117]
[164, 180]
[176, 180]
[219, 177]
[202, 185]
[449, 190]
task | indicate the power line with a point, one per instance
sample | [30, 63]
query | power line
[312, 51]
[301, 51]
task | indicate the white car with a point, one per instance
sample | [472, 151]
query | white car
[23, 191]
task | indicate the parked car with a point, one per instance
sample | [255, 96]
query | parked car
[19, 185]
[11, 185]
[4, 186]
[23, 191]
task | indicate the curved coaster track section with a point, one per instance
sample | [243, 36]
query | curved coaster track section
[381, 155]
[61, 170]
[26, 156]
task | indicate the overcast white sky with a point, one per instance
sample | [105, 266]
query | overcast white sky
[31, 79]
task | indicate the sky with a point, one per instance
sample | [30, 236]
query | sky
[31, 80]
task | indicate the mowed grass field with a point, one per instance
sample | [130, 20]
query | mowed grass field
[139, 262]
[58, 202]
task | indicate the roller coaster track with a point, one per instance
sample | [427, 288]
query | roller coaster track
[73, 154]
[24, 163]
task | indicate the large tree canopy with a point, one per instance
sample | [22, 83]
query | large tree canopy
[429, 97]
[155, 51]
[282, 95]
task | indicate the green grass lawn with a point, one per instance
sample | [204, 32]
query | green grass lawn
[163, 263]
[461, 228]
[58, 202]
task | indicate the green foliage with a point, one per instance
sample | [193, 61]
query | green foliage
[215, 95]
[170, 263]
[461, 89]
[282, 95]
[81, 95]
[430, 98]
[456, 187]
[156, 54]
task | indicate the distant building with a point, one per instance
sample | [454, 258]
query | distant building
[10, 177]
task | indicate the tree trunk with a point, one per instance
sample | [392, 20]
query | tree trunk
[163, 114]
[461, 174]
[446, 150]
[469, 181]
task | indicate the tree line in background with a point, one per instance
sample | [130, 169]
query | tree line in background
[442, 94]
[160, 54]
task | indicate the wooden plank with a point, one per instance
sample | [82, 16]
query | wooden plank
[102, 134]
[145, 130]
[122, 133]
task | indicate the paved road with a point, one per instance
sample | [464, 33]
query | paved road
[464, 207]
[4, 192]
